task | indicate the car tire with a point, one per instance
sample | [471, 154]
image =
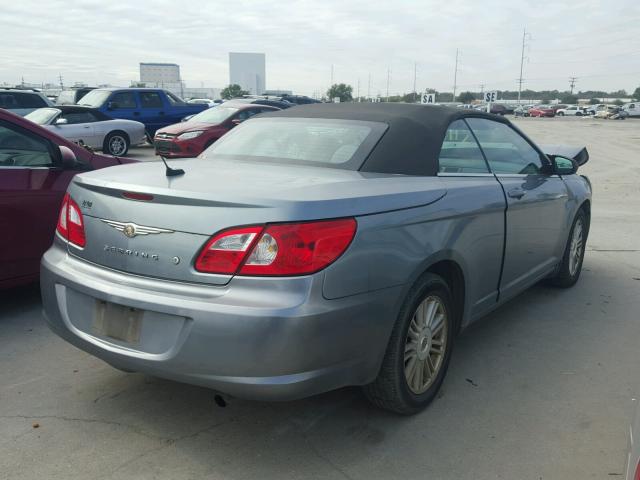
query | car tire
[578, 114]
[561, 114]
[116, 143]
[571, 265]
[401, 386]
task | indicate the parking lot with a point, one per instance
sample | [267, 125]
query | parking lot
[540, 389]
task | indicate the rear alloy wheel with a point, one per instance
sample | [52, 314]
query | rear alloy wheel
[571, 266]
[561, 114]
[116, 144]
[418, 353]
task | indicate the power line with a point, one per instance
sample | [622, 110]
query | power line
[520, 80]
[572, 82]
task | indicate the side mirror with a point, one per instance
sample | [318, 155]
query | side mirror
[112, 105]
[563, 165]
[68, 158]
[61, 121]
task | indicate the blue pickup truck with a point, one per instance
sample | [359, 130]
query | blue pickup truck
[154, 107]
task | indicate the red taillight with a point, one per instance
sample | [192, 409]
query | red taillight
[70, 222]
[279, 250]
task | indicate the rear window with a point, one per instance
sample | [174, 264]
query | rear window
[304, 141]
[17, 100]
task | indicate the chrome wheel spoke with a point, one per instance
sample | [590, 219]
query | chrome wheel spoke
[425, 344]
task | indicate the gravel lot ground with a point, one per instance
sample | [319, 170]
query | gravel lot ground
[540, 389]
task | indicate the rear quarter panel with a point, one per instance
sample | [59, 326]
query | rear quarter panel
[395, 248]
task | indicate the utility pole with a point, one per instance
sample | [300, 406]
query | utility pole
[61, 85]
[481, 90]
[415, 75]
[358, 95]
[520, 81]
[388, 80]
[572, 82]
[455, 78]
[369, 87]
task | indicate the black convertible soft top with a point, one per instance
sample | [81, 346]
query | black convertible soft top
[411, 145]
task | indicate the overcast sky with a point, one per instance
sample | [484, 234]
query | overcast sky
[102, 41]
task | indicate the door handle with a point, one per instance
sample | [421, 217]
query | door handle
[86, 126]
[517, 193]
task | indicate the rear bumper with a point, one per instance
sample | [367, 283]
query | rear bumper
[264, 339]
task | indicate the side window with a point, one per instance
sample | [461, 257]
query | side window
[506, 150]
[246, 114]
[124, 100]
[150, 100]
[30, 100]
[78, 117]
[460, 152]
[174, 100]
[19, 148]
[8, 100]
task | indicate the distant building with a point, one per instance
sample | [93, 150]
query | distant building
[159, 74]
[248, 71]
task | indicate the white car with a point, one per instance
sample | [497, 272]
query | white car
[203, 101]
[90, 127]
[573, 110]
[633, 109]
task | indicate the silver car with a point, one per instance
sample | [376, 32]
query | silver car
[313, 248]
[90, 127]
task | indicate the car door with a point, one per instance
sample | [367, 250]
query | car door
[536, 215]
[124, 105]
[32, 185]
[78, 127]
[478, 204]
[153, 110]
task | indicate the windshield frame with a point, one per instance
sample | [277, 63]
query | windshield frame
[355, 163]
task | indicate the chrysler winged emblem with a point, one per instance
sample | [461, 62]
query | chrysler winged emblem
[130, 230]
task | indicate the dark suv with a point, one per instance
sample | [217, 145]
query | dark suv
[22, 101]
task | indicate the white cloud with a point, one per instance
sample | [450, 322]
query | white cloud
[96, 41]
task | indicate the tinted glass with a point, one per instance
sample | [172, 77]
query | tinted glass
[78, 117]
[460, 152]
[173, 99]
[319, 142]
[123, 99]
[506, 150]
[150, 100]
[30, 100]
[19, 148]
[66, 97]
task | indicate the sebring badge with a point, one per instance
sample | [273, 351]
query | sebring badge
[131, 229]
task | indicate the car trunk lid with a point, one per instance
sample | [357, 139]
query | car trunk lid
[140, 221]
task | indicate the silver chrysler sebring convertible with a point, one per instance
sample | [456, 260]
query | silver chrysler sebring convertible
[313, 248]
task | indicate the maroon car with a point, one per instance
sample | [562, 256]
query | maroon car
[36, 166]
[191, 138]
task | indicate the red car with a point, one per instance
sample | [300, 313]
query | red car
[191, 138]
[36, 165]
[542, 111]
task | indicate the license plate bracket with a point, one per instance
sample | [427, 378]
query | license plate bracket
[118, 322]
